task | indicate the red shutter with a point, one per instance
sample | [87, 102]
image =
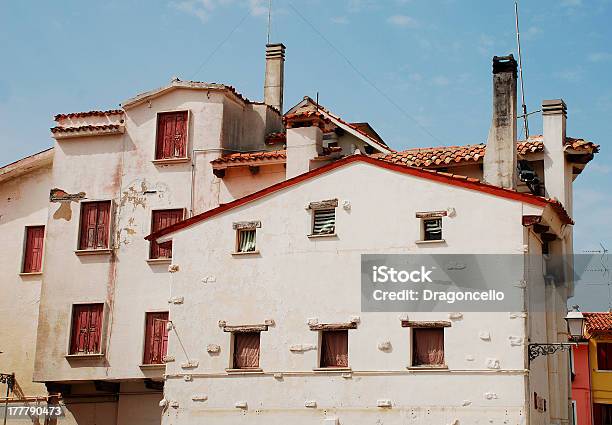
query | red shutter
[171, 135]
[86, 329]
[102, 225]
[160, 220]
[156, 338]
[32, 262]
[95, 225]
[246, 350]
[334, 349]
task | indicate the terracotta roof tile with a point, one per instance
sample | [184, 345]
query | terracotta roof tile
[250, 157]
[59, 129]
[597, 323]
[88, 114]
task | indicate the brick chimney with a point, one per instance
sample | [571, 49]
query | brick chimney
[500, 155]
[304, 141]
[275, 76]
[557, 171]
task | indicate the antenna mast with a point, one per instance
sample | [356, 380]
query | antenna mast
[269, 19]
[520, 63]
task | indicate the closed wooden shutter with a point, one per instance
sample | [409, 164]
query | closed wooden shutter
[86, 329]
[246, 350]
[95, 225]
[171, 135]
[334, 348]
[32, 262]
[156, 338]
[160, 220]
[324, 222]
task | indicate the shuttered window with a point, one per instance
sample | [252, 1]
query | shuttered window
[246, 350]
[324, 221]
[604, 356]
[95, 225]
[432, 229]
[171, 135]
[160, 220]
[34, 241]
[86, 329]
[334, 348]
[428, 346]
[246, 240]
[156, 338]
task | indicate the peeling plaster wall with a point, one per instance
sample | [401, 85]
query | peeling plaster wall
[23, 202]
[295, 278]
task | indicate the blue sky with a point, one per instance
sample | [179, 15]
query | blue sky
[432, 58]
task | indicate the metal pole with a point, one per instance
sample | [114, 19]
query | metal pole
[520, 61]
[9, 387]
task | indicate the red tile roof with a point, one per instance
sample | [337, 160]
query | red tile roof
[59, 129]
[444, 178]
[597, 324]
[88, 114]
[250, 157]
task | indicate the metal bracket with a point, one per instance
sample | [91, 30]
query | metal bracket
[536, 350]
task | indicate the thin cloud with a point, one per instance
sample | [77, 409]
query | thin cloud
[599, 56]
[203, 9]
[402, 21]
[569, 75]
[440, 81]
[342, 20]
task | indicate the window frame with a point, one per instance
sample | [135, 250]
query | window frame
[24, 253]
[317, 207]
[111, 217]
[172, 159]
[424, 233]
[144, 341]
[321, 337]
[413, 333]
[239, 232]
[150, 257]
[609, 344]
[233, 341]
[101, 343]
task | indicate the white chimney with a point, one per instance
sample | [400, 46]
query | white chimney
[557, 171]
[499, 165]
[275, 76]
[304, 142]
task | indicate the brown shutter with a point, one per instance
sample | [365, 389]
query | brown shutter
[334, 348]
[171, 135]
[428, 346]
[156, 338]
[160, 220]
[246, 350]
[89, 217]
[102, 225]
[86, 329]
[32, 262]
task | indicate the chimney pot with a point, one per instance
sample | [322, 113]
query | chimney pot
[275, 75]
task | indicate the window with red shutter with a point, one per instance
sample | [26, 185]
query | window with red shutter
[246, 350]
[95, 225]
[334, 348]
[604, 356]
[171, 135]
[161, 219]
[34, 241]
[156, 338]
[86, 335]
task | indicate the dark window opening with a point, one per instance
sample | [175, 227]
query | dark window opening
[246, 350]
[428, 347]
[432, 229]
[334, 349]
[324, 221]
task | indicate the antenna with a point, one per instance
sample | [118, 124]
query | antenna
[520, 62]
[269, 19]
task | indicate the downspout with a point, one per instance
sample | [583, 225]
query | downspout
[527, 330]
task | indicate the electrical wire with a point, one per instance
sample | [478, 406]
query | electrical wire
[364, 77]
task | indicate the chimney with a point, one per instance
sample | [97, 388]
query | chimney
[304, 142]
[500, 155]
[557, 171]
[275, 76]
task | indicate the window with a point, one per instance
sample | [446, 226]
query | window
[86, 334]
[34, 241]
[604, 356]
[246, 240]
[156, 338]
[246, 350]
[334, 348]
[432, 229]
[602, 414]
[324, 221]
[427, 346]
[171, 135]
[95, 225]
[160, 220]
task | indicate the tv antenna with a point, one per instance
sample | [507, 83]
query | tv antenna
[269, 19]
[520, 63]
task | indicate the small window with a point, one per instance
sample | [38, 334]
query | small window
[86, 331]
[161, 219]
[334, 348]
[33, 250]
[246, 350]
[246, 240]
[95, 225]
[428, 346]
[604, 356]
[324, 221]
[432, 229]
[156, 338]
[171, 135]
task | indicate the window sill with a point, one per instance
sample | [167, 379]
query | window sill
[93, 251]
[430, 242]
[255, 370]
[168, 161]
[84, 356]
[153, 261]
[332, 369]
[26, 274]
[246, 253]
[152, 366]
[323, 235]
[428, 367]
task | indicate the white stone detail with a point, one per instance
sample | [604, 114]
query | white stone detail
[451, 212]
[190, 364]
[188, 378]
[168, 359]
[222, 323]
[484, 335]
[269, 322]
[517, 315]
[209, 279]
[492, 363]
[278, 375]
[176, 300]
[300, 348]
[310, 403]
[470, 358]
[199, 397]
[347, 375]
[163, 402]
[169, 326]
[466, 403]
[403, 317]
[384, 346]
[490, 396]
[213, 348]
[346, 205]
[173, 268]
[174, 404]
[241, 405]
[455, 316]
[515, 341]
[383, 403]
[355, 319]
[312, 321]
[331, 421]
